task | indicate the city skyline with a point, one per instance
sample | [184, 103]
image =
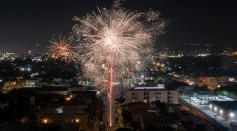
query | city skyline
[29, 25]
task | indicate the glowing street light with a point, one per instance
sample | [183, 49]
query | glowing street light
[77, 120]
[215, 108]
[221, 111]
[210, 105]
[45, 121]
[232, 114]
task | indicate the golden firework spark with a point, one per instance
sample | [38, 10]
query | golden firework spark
[60, 47]
[123, 35]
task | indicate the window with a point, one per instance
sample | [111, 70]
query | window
[158, 97]
[146, 93]
[134, 93]
[169, 97]
[134, 97]
[146, 97]
[170, 93]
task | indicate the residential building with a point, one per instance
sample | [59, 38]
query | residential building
[150, 94]
[32, 83]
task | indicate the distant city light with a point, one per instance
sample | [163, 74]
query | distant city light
[68, 98]
[45, 121]
[25, 69]
[59, 110]
[231, 79]
[77, 120]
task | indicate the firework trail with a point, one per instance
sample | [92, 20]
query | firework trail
[118, 34]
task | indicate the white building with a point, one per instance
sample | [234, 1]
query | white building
[32, 83]
[150, 94]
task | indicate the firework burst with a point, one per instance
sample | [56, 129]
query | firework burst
[60, 48]
[118, 35]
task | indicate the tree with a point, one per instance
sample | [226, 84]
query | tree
[161, 106]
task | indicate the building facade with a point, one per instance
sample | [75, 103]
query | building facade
[150, 94]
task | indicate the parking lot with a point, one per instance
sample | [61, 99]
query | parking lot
[204, 99]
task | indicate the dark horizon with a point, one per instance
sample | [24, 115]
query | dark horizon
[29, 25]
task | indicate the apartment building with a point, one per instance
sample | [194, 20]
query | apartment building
[150, 94]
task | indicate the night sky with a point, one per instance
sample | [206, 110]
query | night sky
[29, 24]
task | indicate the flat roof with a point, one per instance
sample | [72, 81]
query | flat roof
[144, 89]
[141, 88]
[227, 105]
